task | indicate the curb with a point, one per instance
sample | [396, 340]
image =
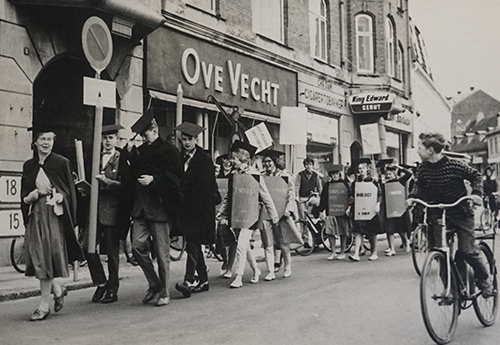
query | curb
[33, 293]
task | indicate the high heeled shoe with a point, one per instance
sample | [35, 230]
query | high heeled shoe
[59, 301]
[39, 315]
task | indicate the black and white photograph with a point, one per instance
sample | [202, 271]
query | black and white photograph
[249, 172]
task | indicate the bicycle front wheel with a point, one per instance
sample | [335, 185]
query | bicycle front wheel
[177, 247]
[419, 248]
[486, 308]
[439, 309]
[324, 238]
[308, 246]
[17, 254]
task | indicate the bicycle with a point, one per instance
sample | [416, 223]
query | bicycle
[447, 285]
[487, 218]
[326, 242]
[420, 244]
[313, 234]
[17, 254]
[177, 247]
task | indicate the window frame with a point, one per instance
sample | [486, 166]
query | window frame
[389, 47]
[213, 5]
[318, 26]
[258, 8]
[369, 35]
[400, 62]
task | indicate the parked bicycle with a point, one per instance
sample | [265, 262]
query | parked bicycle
[17, 254]
[447, 284]
[488, 219]
[313, 234]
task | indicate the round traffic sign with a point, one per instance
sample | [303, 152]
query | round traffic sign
[97, 43]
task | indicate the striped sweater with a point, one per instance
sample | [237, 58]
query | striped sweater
[443, 182]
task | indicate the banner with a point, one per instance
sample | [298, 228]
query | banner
[259, 137]
[244, 198]
[338, 195]
[370, 139]
[278, 188]
[395, 196]
[365, 200]
[293, 126]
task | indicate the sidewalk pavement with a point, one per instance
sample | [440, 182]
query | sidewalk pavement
[15, 285]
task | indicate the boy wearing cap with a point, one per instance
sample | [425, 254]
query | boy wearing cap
[113, 182]
[241, 154]
[197, 214]
[335, 225]
[157, 170]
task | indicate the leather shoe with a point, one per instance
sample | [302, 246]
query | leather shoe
[151, 294]
[39, 315]
[184, 289]
[59, 301]
[99, 294]
[110, 297]
[201, 287]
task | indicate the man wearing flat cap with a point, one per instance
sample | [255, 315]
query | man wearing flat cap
[197, 214]
[157, 170]
[241, 154]
[114, 181]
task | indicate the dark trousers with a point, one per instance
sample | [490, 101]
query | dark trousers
[467, 246]
[112, 246]
[195, 262]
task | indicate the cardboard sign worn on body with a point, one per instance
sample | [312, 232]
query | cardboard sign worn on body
[365, 200]
[278, 188]
[395, 196]
[338, 195]
[244, 198]
[223, 185]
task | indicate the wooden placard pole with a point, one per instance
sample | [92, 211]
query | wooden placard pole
[94, 190]
[81, 176]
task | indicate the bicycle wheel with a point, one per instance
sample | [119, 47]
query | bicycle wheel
[177, 247]
[324, 238]
[439, 311]
[17, 256]
[308, 246]
[486, 219]
[213, 253]
[419, 247]
[486, 309]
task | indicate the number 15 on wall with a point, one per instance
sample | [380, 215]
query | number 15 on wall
[11, 223]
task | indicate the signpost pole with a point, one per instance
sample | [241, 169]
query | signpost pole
[94, 190]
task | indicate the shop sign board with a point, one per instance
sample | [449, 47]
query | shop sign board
[371, 102]
[338, 195]
[322, 98]
[395, 196]
[278, 188]
[204, 68]
[244, 191]
[365, 200]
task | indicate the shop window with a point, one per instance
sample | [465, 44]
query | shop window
[269, 19]
[318, 28]
[400, 63]
[364, 43]
[209, 6]
[389, 46]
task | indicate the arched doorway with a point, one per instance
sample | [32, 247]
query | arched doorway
[356, 151]
[58, 104]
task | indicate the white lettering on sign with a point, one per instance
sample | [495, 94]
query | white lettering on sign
[240, 83]
[10, 189]
[370, 98]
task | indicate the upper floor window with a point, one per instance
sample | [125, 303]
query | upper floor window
[400, 63]
[364, 43]
[318, 28]
[205, 5]
[268, 19]
[389, 47]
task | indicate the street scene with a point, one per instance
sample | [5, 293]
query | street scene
[244, 172]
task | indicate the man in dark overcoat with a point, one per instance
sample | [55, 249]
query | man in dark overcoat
[197, 214]
[114, 181]
[157, 169]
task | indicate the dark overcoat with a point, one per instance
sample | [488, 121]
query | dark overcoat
[197, 216]
[57, 168]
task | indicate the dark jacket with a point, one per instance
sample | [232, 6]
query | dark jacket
[57, 169]
[161, 200]
[197, 215]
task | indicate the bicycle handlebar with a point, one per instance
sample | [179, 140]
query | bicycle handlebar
[411, 201]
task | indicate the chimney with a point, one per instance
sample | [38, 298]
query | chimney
[472, 88]
[459, 92]
[498, 120]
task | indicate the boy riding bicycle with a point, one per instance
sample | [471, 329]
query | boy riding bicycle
[441, 180]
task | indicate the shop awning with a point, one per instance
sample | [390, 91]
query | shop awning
[209, 106]
[129, 9]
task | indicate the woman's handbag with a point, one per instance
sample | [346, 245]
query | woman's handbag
[225, 236]
[290, 234]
